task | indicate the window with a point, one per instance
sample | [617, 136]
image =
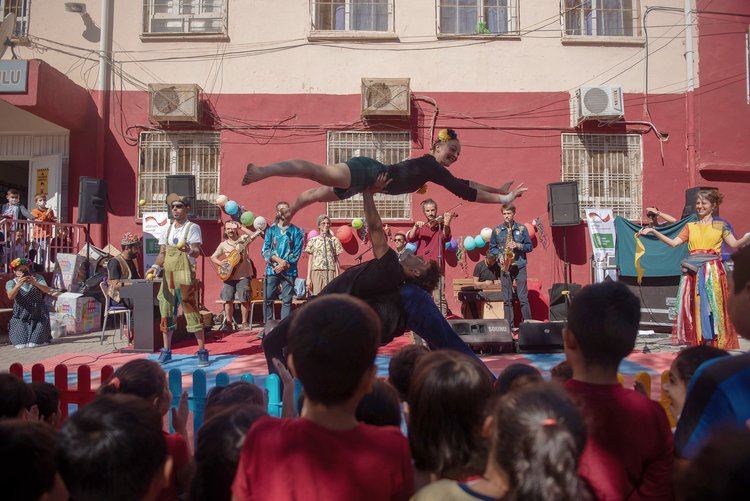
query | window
[386, 147]
[184, 17]
[21, 9]
[352, 15]
[165, 153]
[609, 171]
[602, 18]
[478, 17]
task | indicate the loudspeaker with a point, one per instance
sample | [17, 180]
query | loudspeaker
[658, 297]
[540, 336]
[484, 335]
[691, 194]
[562, 203]
[558, 305]
[92, 199]
[183, 185]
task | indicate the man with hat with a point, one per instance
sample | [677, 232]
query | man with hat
[123, 267]
[179, 246]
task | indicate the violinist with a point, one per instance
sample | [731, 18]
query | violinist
[430, 237]
[510, 242]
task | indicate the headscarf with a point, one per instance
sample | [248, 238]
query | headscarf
[20, 261]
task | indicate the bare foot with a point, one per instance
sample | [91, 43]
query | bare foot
[251, 175]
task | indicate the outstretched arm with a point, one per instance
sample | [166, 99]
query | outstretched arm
[484, 197]
[672, 242]
[502, 190]
[374, 223]
[736, 243]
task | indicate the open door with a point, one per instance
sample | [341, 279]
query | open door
[45, 176]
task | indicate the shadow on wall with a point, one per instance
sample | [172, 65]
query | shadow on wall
[575, 237]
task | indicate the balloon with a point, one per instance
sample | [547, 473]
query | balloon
[247, 218]
[231, 207]
[221, 200]
[260, 223]
[312, 234]
[447, 246]
[486, 234]
[479, 242]
[532, 230]
[469, 243]
[454, 244]
[412, 246]
[357, 223]
[345, 234]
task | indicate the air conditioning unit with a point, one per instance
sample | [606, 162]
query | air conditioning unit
[598, 103]
[174, 102]
[386, 97]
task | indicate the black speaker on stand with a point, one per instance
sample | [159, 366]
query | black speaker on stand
[562, 205]
[183, 185]
[92, 202]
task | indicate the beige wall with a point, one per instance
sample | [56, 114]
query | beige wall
[535, 62]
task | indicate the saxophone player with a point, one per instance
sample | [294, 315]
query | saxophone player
[510, 243]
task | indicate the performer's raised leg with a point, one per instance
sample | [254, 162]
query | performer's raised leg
[335, 175]
[322, 194]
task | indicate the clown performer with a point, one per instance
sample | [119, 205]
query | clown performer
[179, 247]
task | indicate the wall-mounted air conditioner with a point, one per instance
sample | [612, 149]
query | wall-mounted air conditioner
[597, 103]
[174, 102]
[386, 97]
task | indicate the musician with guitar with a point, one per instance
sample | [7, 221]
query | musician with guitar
[430, 237]
[236, 269]
[510, 242]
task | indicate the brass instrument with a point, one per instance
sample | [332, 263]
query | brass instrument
[508, 255]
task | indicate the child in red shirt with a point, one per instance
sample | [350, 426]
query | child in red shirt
[326, 454]
[629, 452]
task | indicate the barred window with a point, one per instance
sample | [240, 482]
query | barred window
[386, 147]
[352, 15]
[184, 17]
[21, 9]
[609, 171]
[168, 153]
[604, 18]
[478, 17]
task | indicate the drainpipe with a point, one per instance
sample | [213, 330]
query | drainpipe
[102, 101]
[690, 94]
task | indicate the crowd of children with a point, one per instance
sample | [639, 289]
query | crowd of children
[15, 240]
[463, 436]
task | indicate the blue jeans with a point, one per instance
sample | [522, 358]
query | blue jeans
[424, 318]
[271, 293]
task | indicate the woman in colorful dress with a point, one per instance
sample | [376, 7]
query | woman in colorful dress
[324, 250]
[701, 301]
[29, 326]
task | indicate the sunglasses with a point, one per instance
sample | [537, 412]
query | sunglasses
[178, 206]
[399, 240]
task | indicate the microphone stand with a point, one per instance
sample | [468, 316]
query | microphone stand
[359, 258]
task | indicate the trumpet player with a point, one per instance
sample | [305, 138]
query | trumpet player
[510, 242]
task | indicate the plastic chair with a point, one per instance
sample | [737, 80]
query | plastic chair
[112, 310]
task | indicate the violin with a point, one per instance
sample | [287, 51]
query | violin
[439, 220]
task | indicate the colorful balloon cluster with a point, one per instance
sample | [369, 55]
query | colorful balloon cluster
[478, 241]
[247, 218]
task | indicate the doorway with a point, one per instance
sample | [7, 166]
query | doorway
[15, 174]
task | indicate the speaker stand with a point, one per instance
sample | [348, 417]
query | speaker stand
[88, 251]
[566, 268]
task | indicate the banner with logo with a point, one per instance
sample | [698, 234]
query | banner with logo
[601, 223]
[154, 225]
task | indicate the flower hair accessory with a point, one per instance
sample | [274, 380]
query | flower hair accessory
[20, 261]
[446, 135]
[549, 422]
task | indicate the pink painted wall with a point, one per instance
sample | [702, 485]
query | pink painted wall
[722, 111]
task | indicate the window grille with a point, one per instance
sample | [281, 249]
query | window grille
[21, 9]
[184, 17]
[166, 153]
[478, 17]
[386, 147]
[609, 171]
[352, 15]
[604, 18]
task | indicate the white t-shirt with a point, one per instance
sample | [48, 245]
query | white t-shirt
[172, 236]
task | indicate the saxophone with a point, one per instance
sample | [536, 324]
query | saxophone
[508, 255]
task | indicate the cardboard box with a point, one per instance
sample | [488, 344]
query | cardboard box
[77, 313]
[68, 271]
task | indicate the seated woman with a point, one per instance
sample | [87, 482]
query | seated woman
[343, 180]
[29, 326]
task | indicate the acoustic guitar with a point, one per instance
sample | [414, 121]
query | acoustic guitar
[228, 265]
